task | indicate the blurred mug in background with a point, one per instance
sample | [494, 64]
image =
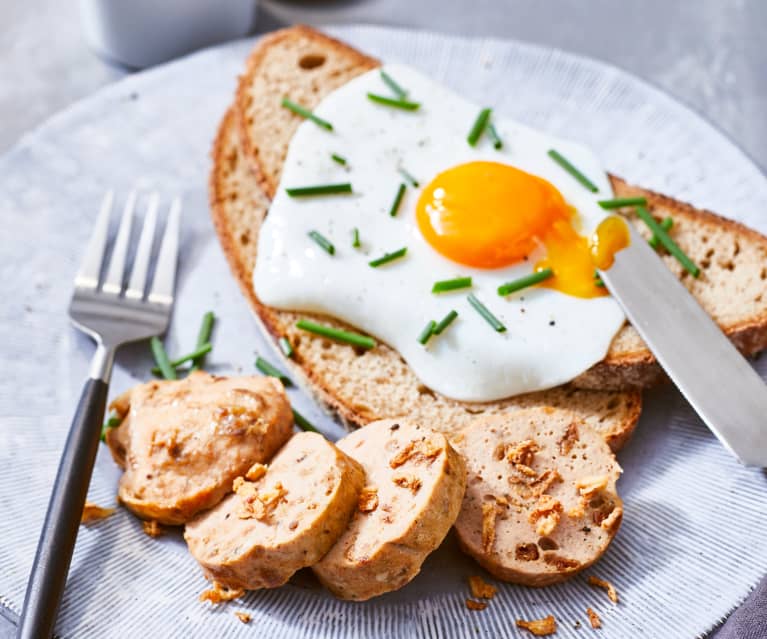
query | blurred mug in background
[141, 33]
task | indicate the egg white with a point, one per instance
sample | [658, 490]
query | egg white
[551, 337]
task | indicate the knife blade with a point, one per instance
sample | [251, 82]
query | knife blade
[718, 382]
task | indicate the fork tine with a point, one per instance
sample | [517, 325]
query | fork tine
[165, 273]
[90, 269]
[137, 282]
[114, 280]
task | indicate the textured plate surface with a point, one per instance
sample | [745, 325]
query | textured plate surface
[692, 541]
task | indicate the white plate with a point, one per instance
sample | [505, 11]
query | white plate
[692, 541]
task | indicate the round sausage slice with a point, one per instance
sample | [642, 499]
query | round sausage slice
[182, 443]
[540, 503]
[415, 482]
[279, 519]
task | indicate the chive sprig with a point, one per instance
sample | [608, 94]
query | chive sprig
[196, 354]
[486, 314]
[337, 334]
[666, 224]
[665, 239]
[572, 170]
[272, 371]
[479, 126]
[445, 322]
[162, 360]
[393, 85]
[427, 332]
[306, 113]
[203, 337]
[319, 189]
[525, 282]
[455, 284]
[323, 242]
[397, 103]
[285, 346]
[302, 422]
[620, 202]
[388, 257]
[397, 200]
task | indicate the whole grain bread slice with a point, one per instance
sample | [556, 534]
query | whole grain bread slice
[361, 387]
[306, 65]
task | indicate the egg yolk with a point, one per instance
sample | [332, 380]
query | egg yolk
[492, 215]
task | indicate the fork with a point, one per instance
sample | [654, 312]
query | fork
[113, 315]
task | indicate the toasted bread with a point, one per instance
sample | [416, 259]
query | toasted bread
[377, 384]
[733, 259]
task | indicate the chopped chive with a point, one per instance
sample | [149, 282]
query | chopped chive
[666, 224]
[427, 332]
[390, 82]
[485, 313]
[356, 238]
[203, 337]
[669, 244]
[524, 282]
[285, 346]
[338, 159]
[388, 257]
[302, 422]
[355, 339]
[497, 142]
[445, 322]
[306, 113]
[408, 177]
[620, 202]
[267, 369]
[397, 103]
[161, 357]
[397, 200]
[322, 242]
[479, 126]
[598, 279]
[113, 421]
[567, 166]
[319, 189]
[193, 356]
[451, 285]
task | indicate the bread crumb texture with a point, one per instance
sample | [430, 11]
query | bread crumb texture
[152, 528]
[594, 619]
[539, 627]
[612, 593]
[471, 604]
[93, 513]
[480, 589]
[219, 593]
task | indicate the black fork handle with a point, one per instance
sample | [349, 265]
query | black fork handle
[57, 539]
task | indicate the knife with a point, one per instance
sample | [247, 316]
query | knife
[720, 384]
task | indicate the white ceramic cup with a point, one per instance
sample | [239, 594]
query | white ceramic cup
[141, 33]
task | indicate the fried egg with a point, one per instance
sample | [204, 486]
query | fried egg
[494, 215]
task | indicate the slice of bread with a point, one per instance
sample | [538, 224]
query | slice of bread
[306, 65]
[361, 387]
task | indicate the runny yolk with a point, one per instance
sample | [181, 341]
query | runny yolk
[492, 215]
[611, 236]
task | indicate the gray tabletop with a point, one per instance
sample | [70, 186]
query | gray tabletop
[709, 54]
